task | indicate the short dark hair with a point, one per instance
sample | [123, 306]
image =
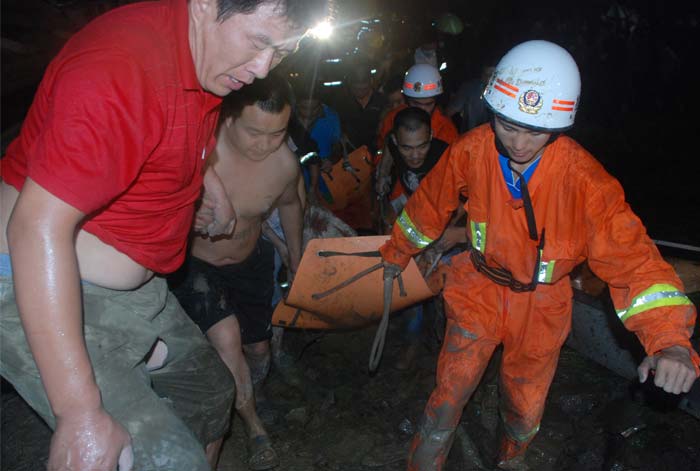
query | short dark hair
[411, 119]
[360, 71]
[301, 13]
[270, 94]
[393, 84]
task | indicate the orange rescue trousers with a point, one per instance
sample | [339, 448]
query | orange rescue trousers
[532, 334]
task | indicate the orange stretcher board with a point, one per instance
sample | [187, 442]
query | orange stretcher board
[294, 317]
[348, 186]
[354, 306]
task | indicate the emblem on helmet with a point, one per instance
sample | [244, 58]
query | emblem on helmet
[417, 87]
[530, 102]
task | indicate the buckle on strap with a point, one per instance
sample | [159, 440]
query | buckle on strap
[503, 277]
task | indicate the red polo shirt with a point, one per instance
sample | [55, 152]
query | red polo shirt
[118, 129]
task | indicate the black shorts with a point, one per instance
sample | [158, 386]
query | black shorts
[209, 293]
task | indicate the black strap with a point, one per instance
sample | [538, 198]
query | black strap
[503, 277]
[347, 282]
[527, 202]
[330, 253]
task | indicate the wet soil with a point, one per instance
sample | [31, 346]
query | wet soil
[340, 418]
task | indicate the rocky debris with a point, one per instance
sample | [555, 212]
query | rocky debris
[342, 419]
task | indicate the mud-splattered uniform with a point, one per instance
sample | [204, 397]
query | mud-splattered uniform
[581, 213]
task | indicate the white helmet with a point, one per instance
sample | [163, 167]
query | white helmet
[537, 85]
[422, 81]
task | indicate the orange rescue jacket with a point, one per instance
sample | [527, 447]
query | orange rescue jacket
[583, 210]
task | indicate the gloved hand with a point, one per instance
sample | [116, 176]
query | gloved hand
[391, 270]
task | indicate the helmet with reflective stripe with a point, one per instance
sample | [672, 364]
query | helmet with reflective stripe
[422, 81]
[536, 85]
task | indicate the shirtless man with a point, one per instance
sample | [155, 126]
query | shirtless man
[226, 284]
[100, 187]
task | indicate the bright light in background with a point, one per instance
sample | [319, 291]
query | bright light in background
[337, 83]
[322, 30]
[443, 66]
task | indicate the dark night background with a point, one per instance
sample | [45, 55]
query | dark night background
[638, 60]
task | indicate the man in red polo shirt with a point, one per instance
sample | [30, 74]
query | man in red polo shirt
[98, 195]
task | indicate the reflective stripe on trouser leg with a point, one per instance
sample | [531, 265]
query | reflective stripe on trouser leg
[463, 359]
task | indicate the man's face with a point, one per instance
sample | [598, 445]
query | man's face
[360, 88]
[522, 144]
[256, 133]
[395, 99]
[230, 54]
[413, 145]
[308, 110]
[427, 104]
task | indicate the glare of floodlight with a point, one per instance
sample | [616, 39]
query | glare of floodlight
[443, 66]
[322, 30]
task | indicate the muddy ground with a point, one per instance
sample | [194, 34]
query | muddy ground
[342, 419]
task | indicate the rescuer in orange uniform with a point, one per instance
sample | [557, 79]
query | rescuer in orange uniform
[422, 86]
[538, 205]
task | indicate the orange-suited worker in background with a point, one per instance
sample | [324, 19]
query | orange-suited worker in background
[422, 86]
[538, 205]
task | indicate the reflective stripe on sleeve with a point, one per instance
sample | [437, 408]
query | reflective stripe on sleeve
[657, 296]
[478, 230]
[416, 237]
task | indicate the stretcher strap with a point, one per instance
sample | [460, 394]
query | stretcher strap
[354, 278]
[295, 318]
[380, 337]
[375, 354]
[330, 253]
[347, 282]
[347, 166]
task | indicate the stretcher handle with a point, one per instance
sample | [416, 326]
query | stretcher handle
[375, 354]
[347, 166]
[357, 276]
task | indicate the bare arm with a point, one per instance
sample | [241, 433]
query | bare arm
[278, 243]
[302, 192]
[41, 239]
[292, 218]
